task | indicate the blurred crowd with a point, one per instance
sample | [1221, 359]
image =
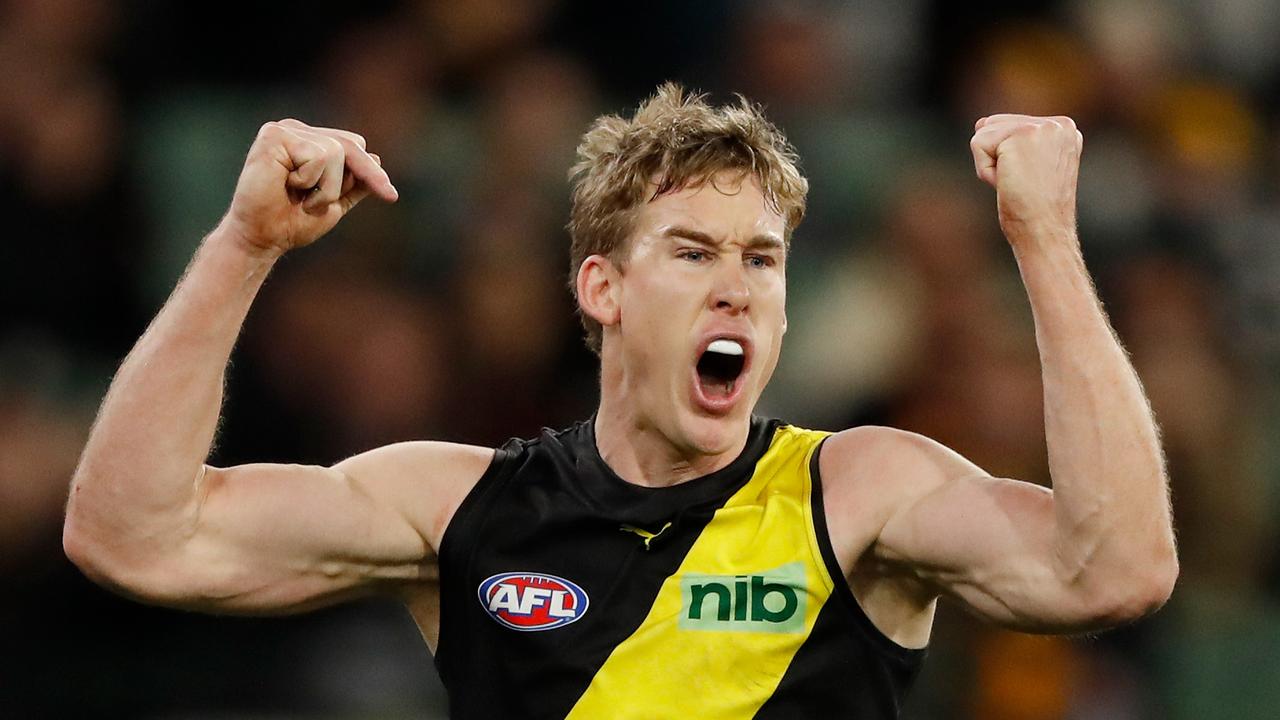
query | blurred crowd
[123, 126]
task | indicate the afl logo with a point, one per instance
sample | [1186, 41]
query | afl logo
[529, 601]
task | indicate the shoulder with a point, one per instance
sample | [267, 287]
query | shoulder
[441, 457]
[451, 467]
[429, 480]
[425, 480]
[870, 473]
[890, 458]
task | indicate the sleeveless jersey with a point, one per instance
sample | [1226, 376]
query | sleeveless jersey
[567, 592]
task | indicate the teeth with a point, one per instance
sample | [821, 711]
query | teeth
[725, 347]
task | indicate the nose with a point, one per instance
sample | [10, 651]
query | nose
[731, 293]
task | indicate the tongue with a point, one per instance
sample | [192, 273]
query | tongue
[715, 387]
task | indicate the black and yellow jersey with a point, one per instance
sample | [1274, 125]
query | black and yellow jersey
[567, 592]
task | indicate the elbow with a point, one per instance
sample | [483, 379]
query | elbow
[75, 546]
[94, 556]
[84, 541]
[114, 563]
[1146, 595]
[1134, 594]
[119, 547]
[1163, 581]
[146, 574]
[1154, 579]
[80, 547]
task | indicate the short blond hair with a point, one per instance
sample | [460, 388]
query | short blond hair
[675, 140]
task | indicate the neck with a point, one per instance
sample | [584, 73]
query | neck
[642, 451]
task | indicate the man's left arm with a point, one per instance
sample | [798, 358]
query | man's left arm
[1098, 549]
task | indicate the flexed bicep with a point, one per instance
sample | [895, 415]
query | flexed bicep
[274, 538]
[989, 543]
[943, 524]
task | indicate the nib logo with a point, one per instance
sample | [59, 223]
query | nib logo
[768, 601]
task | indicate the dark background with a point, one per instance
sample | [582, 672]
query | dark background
[123, 127]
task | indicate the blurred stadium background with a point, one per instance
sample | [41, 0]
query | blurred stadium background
[123, 127]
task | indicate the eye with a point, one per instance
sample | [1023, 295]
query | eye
[760, 261]
[692, 255]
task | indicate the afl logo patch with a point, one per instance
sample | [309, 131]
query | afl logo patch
[531, 601]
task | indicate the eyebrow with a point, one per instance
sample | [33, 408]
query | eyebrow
[759, 242]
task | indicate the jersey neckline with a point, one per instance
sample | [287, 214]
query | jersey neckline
[613, 490]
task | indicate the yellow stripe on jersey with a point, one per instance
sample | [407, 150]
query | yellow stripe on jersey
[726, 625]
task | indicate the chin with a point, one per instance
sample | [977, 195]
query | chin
[713, 434]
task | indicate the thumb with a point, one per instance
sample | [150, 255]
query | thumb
[984, 163]
[306, 175]
[990, 134]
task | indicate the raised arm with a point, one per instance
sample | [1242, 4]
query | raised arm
[1097, 549]
[147, 517]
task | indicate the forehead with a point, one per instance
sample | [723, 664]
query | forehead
[728, 206]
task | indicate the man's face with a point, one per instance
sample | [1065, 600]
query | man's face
[701, 301]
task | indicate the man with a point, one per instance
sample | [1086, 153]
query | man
[674, 556]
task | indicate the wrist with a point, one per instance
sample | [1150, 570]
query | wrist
[1040, 236]
[229, 237]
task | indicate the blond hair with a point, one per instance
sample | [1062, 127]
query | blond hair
[675, 140]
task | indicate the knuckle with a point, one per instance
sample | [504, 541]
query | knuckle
[311, 149]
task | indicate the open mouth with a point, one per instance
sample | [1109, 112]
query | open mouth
[719, 370]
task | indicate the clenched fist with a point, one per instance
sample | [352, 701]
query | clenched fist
[298, 181]
[1033, 163]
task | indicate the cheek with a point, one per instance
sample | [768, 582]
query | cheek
[651, 313]
[773, 307]
[665, 296]
[771, 299]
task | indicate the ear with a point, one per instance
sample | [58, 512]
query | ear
[598, 285]
[784, 322]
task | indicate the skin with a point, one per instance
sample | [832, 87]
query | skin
[704, 262]
[910, 520]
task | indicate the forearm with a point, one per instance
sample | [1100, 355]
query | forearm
[1111, 498]
[136, 484]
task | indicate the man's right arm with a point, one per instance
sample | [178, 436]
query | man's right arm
[148, 517]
